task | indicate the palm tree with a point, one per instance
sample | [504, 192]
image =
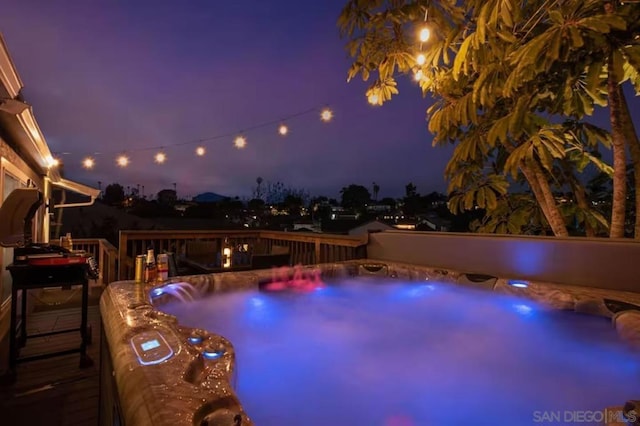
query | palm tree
[376, 189]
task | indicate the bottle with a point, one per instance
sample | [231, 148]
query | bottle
[66, 242]
[163, 267]
[150, 268]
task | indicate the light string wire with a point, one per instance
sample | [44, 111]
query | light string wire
[241, 132]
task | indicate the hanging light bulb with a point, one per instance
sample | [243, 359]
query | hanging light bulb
[283, 130]
[326, 115]
[200, 151]
[160, 157]
[240, 142]
[424, 35]
[122, 161]
[373, 99]
[418, 75]
[421, 59]
[88, 163]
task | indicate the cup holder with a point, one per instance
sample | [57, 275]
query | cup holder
[224, 411]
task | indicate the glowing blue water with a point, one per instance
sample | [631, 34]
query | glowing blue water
[414, 354]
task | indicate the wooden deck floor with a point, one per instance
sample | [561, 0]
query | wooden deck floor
[54, 391]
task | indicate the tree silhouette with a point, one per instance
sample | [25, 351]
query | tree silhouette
[114, 194]
[376, 189]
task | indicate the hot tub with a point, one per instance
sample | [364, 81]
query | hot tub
[369, 343]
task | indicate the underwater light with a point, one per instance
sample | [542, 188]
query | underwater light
[157, 292]
[518, 283]
[213, 353]
[195, 338]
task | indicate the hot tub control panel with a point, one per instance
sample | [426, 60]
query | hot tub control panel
[151, 347]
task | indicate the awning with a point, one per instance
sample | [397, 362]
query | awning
[76, 187]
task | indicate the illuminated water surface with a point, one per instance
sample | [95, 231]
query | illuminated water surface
[413, 354]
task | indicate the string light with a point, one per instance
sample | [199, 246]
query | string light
[88, 163]
[421, 59]
[425, 33]
[373, 99]
[418, 75]
[160, 157]
[240, 142]
[122, 161]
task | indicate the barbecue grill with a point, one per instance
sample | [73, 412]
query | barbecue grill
[40, 265]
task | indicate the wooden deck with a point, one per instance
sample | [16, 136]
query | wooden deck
[54, 391]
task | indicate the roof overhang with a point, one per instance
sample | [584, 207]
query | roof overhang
[18, 118]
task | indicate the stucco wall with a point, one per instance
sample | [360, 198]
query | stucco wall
[603, 263]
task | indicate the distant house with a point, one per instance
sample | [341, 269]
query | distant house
[209, 197]
[26, 160]
[167, 197]
[372, 226]
[435, 222]
[306, 226]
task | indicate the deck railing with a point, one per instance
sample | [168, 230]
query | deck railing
[304, 248]
[105, 253]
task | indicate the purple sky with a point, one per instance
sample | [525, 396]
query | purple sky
[125, 76]
[122, 76]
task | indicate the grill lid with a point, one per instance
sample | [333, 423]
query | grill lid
[16, 216]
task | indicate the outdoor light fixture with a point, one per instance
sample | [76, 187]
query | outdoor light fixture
[418, 75]
[226, 254]
[200, 151]
[283, 130]
[240, 142]
[13, 106]
[326, 115]
[122, 161]
[421, 59]
[88, 163]
[518, 283]
[52, 162]
[373, 99]
[160, 157]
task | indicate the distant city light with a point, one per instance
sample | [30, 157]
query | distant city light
[326, 115]
[160, 157]
[122, 161]
[240, 142]
[421, 59]
[283, 130]
[200, 151]
[88, 163]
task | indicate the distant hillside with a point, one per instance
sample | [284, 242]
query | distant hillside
[209, 197]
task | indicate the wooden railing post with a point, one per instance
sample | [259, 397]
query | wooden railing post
[122, 255]
[317, 251]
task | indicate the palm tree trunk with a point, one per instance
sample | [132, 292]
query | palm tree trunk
[634, 149]
[542, 191]
[619, 201]
[581, 196]
[619, 155]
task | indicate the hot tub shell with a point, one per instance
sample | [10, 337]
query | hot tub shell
[189, 388]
